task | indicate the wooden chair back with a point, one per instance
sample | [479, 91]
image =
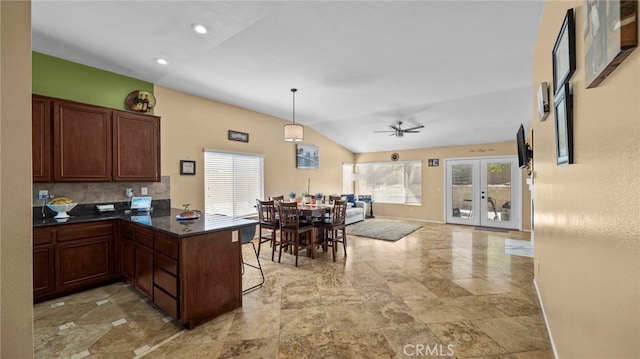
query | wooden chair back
[289, 216]
[332, 199]
[339, 212]
[266, 212]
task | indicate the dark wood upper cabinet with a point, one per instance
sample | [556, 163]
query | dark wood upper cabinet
[42, 151]
[76, 142]
[82, 145]
[136, 147]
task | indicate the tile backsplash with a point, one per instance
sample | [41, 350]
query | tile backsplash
[102, 192]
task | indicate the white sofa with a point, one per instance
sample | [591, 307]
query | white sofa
[355, 213]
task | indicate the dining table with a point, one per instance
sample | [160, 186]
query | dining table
[309, 211]
[314, 210]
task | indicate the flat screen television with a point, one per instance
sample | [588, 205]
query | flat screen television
[525, 153]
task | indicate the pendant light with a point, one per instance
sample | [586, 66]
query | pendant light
[293, 132]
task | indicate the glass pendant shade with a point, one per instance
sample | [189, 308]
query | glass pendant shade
[293, 132]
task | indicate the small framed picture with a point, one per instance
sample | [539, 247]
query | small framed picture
[238, 136]
[434, 162]
[543, 101]
[564, 52]
[564, 126]
[187, 167]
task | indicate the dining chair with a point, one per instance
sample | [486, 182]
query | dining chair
[334, 198]
[293, 232]
[276, 198]
[268, 223]
[333, 229]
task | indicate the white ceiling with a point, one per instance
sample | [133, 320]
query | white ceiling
[461, 68]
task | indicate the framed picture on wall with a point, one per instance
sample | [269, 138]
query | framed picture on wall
[307, 157]
[610, 35]
[564, 125]
[187, 167]
[564, 52]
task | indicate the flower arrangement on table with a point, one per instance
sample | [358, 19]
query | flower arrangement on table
[292, 196]
[318, 197]
[306, 198]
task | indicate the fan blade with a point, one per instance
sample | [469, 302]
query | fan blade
[413, 128]
[383, 131]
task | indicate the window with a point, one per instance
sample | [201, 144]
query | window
[391, 182]
[347, 178]
[232, 182]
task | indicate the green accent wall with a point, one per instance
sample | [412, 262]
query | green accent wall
[68, 80]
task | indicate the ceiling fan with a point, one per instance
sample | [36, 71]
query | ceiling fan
[398, 131]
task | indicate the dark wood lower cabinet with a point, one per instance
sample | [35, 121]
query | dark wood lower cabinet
[83, 262]
[43, 270]
[193, 279]
[127, 259]
[144, 270]
[73, 257]
[211, 278]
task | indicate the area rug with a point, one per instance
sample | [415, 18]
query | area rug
[387, 231]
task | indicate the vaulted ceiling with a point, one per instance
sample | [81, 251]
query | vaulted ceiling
[463, 69]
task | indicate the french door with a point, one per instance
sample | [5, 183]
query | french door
[484, 192]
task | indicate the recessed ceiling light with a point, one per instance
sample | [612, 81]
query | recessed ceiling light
[162, 61]
[200, 29]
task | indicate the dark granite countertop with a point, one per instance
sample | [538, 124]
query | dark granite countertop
[163, 220]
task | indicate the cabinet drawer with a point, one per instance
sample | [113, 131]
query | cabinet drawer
[166, 302]
[166, 247]
[144, 238]
[84, 231]
[166, 263]
[166, 281]
[42, 237]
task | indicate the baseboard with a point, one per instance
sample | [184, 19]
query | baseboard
[411, 219]
[546, 322]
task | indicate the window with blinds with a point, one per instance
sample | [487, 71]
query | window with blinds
[232, 182]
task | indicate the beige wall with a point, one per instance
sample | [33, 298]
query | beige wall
[16, 328]
[432, 207]
[190, 123]
[587, 227]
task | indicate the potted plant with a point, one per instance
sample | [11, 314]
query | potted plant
[319, 197]
[306, 198]
[187, 211]
[292, 196]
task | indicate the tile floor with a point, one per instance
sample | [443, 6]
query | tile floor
[444, 291]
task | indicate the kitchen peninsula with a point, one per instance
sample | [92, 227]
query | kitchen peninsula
[191, 269]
